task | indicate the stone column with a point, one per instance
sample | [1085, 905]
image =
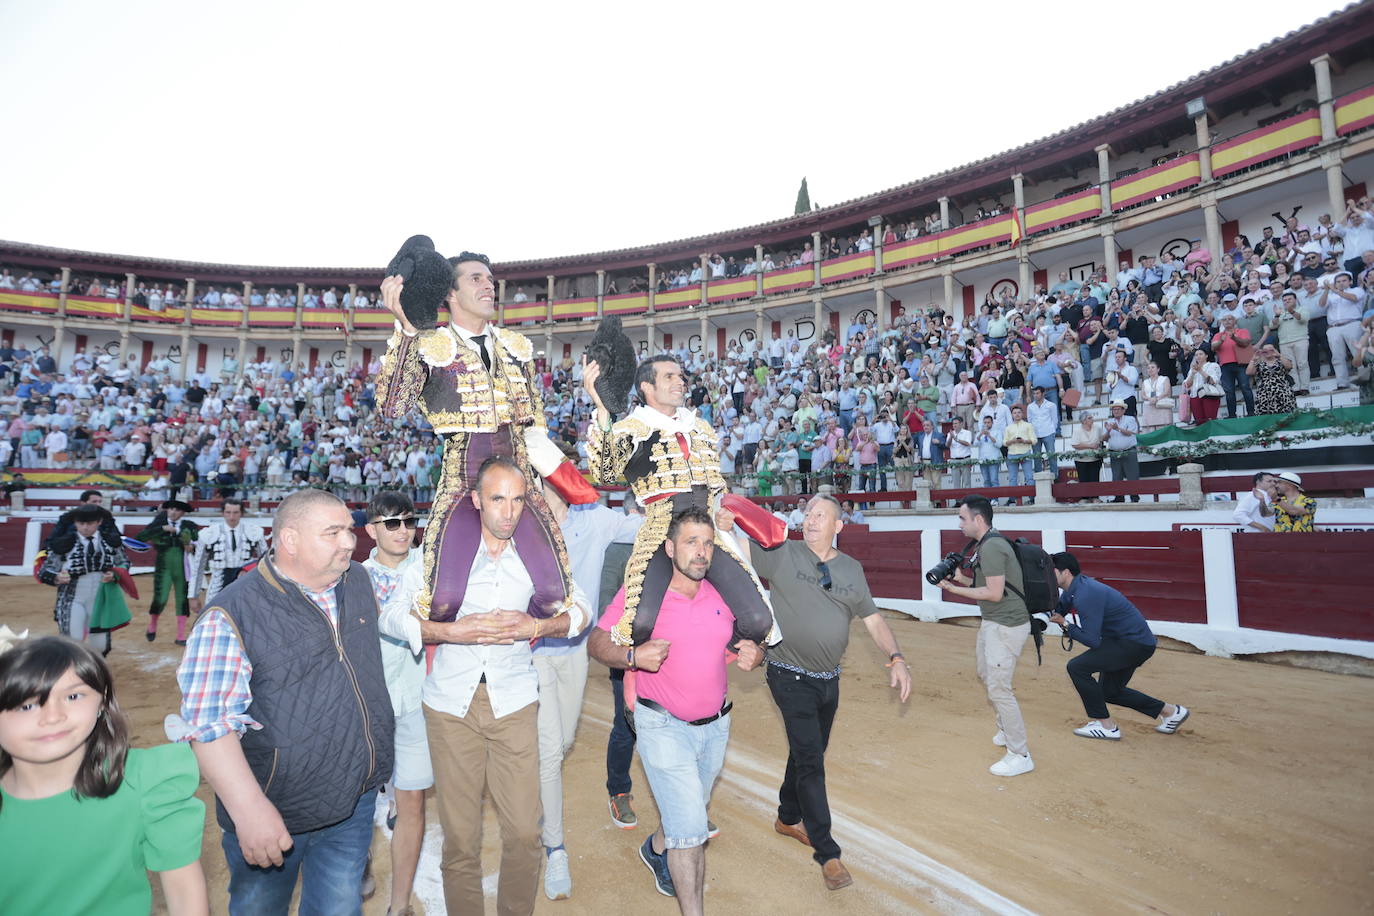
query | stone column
[922, 492]
[1322, 66]
[705, 277]
[1023, 268]
[649, 333]
[758, 271]
[1044, 494]
[600, 294]
[818, 303]
[944, 213]
[816, 254]
[348, 322]
[62, 293]
[548, 312]
[705, 332]
[186, 350]
[300, 307]
[1190, 486]
[948, 274]
[186, 301]
[240, 354]
[1109, 250]
[1204, 146]
[1023, 272]
[1335, 181]
[129, 281]
[880, 304]
[876, 224]
[1211, 223]
[653, 286]
[1104, 177]
[758, 326]
[297, 348]
[548, 345]
[501, 302]
[247, 298]
[59, 337]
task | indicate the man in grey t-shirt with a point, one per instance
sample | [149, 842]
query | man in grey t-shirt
[998, 588]
[816, 592]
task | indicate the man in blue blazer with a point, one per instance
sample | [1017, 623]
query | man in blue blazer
[930, 452]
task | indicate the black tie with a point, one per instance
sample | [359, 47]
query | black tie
[233, 542]
[480, 341]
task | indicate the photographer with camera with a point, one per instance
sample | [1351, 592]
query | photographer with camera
[1119, 641]
[997, 586]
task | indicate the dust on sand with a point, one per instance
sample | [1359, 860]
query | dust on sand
[1260, 804]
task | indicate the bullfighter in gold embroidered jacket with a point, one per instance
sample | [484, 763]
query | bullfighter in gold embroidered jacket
[668, 456]
[477, 386]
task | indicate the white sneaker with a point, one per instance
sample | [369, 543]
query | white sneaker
[557, 876]
[999, 739]
[1096, 729]
[1171, 724]
[1012, 765]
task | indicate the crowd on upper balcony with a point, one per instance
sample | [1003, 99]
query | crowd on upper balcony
[157, 296]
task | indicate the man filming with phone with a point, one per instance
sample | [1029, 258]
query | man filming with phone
[998, 588]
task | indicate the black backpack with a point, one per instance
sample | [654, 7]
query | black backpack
[1037, 576]
[1042, 588]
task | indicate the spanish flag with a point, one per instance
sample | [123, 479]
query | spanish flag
[1015, 227]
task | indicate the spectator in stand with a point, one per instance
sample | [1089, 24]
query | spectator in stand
[1087, 445]
[1294, 510]
[1254, 510]
[1233, 349]
[1344, 309]
[1121, 432]
[1272, 385]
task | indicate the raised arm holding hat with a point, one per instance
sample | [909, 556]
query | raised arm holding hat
[476, 384]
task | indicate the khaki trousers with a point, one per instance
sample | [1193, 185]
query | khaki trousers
[998, 649]
[481, 752]
[1296, 350]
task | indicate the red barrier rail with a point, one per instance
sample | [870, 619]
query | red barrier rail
[1278, 575]
[1160, 572]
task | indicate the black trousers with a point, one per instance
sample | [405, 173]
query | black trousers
[1318, 347]
[1115, 660]
[808, 706]
[620, 747]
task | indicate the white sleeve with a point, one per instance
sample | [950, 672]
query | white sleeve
[579, 614]
[545, 457]
[396, 619]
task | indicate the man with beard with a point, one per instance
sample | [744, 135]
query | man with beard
[681, 716]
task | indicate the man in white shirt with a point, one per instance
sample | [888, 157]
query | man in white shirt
[1254, 510]
[222, 550]
[480, 704]
[1344, 307]
[1043, 416]
[960, 442]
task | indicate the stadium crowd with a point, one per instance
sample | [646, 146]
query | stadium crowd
[158, 297]
[1162, 341]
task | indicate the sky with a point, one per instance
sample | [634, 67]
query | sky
[323, 134]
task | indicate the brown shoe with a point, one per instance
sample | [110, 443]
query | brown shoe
[836, 875]
[796, 831]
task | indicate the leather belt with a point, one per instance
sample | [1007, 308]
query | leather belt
[724, 710]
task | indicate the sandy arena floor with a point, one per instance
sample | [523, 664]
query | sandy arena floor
[1260, 805]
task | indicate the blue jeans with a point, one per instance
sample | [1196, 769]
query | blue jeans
[847, 420]
[682, 762]
[1021, 464]
[620, 747]
[1085, 356]
[990, 471]
[884, 462]
[330, 860]
[1045, 446]
[1232, 376]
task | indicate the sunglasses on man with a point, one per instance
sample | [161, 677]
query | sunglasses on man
[396, 522]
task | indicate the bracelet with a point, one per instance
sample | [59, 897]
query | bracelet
[630, 658]
[536, 630]
[895, 659]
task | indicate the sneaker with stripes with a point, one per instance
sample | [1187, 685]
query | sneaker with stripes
[1171, 723]
[1096, 729]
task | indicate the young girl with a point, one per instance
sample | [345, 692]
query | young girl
[81, 815]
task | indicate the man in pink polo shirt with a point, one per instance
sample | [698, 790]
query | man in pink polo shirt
[682, 718]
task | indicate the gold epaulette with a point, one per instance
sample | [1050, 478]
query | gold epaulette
[438, 347]
[516, 344]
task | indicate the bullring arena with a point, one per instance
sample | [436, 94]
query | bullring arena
[1260, 804]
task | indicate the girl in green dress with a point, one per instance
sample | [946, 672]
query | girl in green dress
[82, 817]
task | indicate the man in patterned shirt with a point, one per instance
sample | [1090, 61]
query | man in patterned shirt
[285, 703]
[1294, 510]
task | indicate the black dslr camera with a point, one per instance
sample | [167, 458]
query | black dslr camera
[945, 569]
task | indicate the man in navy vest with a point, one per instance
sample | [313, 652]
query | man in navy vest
[285, 703]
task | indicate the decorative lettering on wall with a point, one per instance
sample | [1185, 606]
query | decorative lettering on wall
[228, 353]
[1080, 273]
[111, 347]
[337, 358]
[46, 341]
[864, 316]
[1007, 286]
[1177, 247]
[287, 354]
[745, 336]
[806, 329]
[694, 343]
[174, 354]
